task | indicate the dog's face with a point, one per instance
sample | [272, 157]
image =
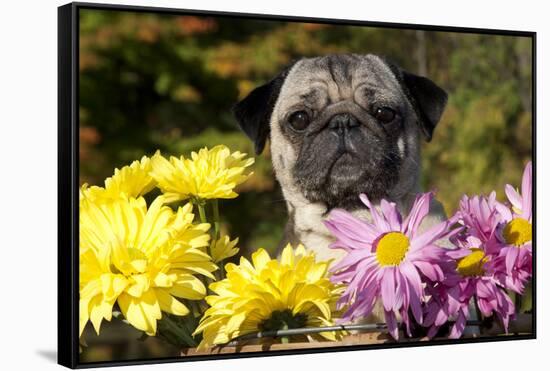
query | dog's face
[342, 125]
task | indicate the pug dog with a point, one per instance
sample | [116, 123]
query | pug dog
[339, 126]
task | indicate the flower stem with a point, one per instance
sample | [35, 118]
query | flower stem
[180, 333]
[196, 308]
[216, 213]
[222, 269]
[202, 212]
[202, 215]
[285, 339]
[479, 316]
[518, 303]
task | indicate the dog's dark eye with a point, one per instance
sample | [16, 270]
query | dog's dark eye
[384, 114]
[299, 120]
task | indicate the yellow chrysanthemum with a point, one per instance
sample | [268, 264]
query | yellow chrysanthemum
[142, 259]
[223, 248]
[130, 181]
[208, 174]
[270, 295]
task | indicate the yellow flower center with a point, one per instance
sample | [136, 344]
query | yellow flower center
[517, 232]
[472, 264]
[392, 248]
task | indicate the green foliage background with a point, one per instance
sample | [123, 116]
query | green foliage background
[168, 82]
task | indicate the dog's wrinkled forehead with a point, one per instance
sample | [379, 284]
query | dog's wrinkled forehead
[363, 82]
[329, 79]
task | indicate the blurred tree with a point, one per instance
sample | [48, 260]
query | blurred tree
[168, 82]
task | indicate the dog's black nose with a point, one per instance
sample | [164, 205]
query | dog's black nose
[342, 122]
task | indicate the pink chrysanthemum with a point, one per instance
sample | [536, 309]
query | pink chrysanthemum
[387, 259]
[514, 235]
[474, 278]
[480, 216]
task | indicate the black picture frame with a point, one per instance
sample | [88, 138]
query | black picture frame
[68, 187]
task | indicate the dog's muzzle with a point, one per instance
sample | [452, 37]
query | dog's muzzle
[341, 125]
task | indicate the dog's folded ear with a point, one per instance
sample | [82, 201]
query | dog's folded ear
[427, 99]
[253, 113]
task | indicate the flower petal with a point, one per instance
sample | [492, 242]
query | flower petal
[388, 288]
[391, 322]
[378, 219]
[416, 291]
[513, 196]
[260, 258]
[430, 270]
[390, 212]
[526, 190]
[459, 326]
[511, 258]
[419, 210]
[170, 304]
[189, 287]
[142, 313]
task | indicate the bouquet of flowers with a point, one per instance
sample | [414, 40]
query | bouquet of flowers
[152, 252]
[425, 284]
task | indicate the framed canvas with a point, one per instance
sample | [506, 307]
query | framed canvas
[241, 185]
